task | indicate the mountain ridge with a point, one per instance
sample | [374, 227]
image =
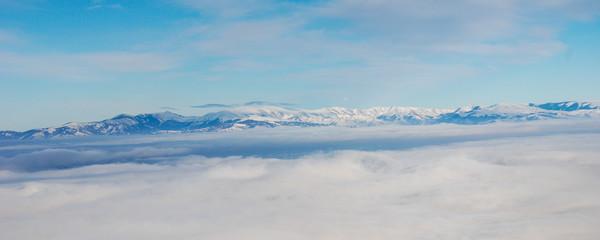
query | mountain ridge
[245, 117]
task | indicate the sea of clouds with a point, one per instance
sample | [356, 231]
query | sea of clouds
[535, 180]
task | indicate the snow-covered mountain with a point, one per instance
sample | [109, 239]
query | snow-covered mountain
[272, 116]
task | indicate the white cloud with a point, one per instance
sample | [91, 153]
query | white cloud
[97, 6]
[111, 6]
[227, 8]
[7, 37]
[290, 37]
[500, 29]
[84, 67]
[542, 187]
[517, 52]
[116, 6]
[347, 41]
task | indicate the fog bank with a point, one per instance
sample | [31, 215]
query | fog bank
[526, 187]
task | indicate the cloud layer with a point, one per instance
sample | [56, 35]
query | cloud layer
[517, 186]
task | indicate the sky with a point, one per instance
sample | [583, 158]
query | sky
[91, 60]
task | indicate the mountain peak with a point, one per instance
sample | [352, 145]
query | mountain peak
[567, 106]
[167, 115]
[258, 115]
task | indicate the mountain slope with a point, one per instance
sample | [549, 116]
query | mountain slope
[272, 116]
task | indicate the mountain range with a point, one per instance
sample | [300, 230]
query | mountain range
[245, 117]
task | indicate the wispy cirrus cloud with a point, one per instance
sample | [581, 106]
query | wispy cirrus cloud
[253, 103]
[84, 67]
[293, 38]
[7, 37]
[99, 4]
[229, 8]
[379, 44]
[111, 6]
[494, 28]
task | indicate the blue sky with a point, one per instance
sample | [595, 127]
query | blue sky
[91, 60]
